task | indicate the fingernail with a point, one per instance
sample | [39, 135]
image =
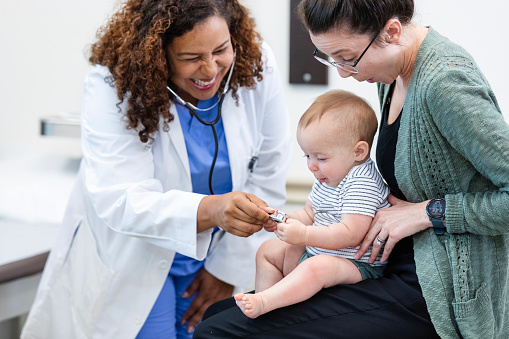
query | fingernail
[185, 295]
[190, 329]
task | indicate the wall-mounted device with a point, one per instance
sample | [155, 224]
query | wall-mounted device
[304, 69]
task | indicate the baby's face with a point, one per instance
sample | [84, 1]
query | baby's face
[329, 156]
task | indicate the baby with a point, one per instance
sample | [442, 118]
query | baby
[319, 242]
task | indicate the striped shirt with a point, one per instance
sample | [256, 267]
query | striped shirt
[362, 191]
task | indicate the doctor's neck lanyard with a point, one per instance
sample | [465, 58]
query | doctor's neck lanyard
[192, 109]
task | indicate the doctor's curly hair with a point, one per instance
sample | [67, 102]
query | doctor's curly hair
[133, 42]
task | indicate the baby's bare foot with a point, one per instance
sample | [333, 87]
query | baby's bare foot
[250, 304]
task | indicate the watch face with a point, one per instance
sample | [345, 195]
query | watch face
[436, 209]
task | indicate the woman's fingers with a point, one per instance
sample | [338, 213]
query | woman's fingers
[380, 242]
[378, 236]
[394, 201]
[368, 240]
[389, 246]
[392, 224]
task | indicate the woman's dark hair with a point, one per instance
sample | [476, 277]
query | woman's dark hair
[358, 16]
[133, 46]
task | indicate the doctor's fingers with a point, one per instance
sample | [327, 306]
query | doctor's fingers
[246, 207]
[258, 208]
[241, 228]
[208, 290]
[268, 209]
[258, 202]
[270, 226]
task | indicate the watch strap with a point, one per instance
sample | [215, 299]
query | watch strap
[438, 226]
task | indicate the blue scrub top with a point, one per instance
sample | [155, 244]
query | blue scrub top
[200, 145]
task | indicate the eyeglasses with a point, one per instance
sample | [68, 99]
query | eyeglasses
[343, 66]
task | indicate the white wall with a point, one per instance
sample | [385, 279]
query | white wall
[481, 28]
[43, 62]
[43, 66]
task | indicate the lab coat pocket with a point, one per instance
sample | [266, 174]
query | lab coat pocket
[475, 315]
[88, 278]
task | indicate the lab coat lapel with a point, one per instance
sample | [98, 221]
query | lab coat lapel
[178, 141]
[234, 119]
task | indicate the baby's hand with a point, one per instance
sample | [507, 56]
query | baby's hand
[292, 232]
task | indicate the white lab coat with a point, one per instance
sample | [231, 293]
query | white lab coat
[132, 209]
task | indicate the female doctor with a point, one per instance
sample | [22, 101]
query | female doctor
[184, 134]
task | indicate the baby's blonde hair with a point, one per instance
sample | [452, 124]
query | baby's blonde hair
[355, 117]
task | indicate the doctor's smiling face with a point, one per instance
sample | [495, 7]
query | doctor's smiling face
[200, 59]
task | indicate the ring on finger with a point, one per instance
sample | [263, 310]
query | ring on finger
[379, 241]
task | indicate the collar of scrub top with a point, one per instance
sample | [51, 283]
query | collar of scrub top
[220, 98]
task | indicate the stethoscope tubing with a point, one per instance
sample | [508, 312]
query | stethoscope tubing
[216, 139]
[192, 109]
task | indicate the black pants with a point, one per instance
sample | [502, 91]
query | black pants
[388, 307]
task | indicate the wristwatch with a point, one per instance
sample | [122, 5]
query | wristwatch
[436, 213]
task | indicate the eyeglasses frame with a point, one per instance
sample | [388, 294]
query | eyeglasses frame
[341, 64]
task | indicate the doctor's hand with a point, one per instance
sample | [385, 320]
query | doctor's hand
[209, 289]
[270, 225]
[237, 213]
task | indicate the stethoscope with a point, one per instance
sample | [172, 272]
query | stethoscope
[212, 123]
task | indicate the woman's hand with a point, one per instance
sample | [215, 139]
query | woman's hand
[392, 224]
[237, 213]
[209, 290]
[292, 232]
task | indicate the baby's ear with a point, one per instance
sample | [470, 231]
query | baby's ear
[361, 150]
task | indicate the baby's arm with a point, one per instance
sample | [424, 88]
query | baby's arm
[304, 215]
[348, 233]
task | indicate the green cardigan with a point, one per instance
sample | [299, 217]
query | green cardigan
[453, 142]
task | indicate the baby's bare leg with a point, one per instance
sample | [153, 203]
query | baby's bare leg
[274, 260]
[303, 282]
